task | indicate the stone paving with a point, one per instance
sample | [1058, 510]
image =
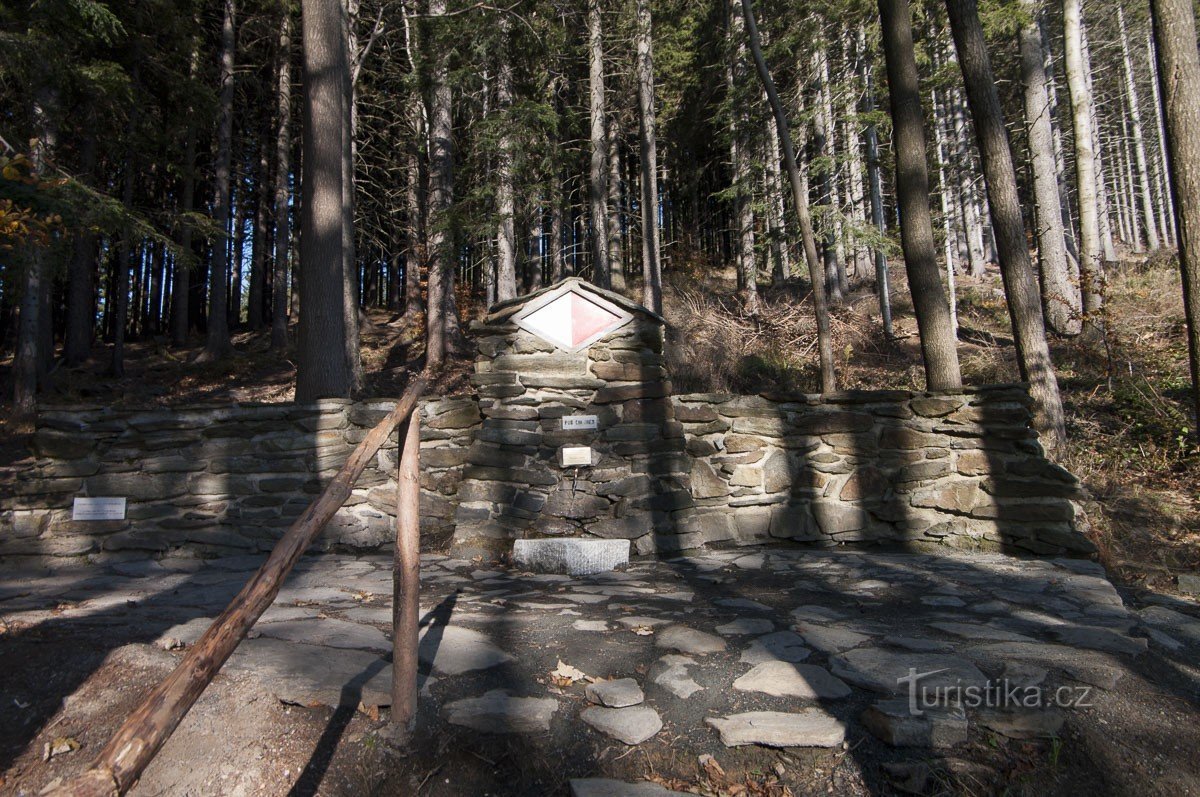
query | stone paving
[774, 647]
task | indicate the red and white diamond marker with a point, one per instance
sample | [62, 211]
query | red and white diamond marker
[571, 319]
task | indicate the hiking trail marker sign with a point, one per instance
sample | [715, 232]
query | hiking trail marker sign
[570, 318]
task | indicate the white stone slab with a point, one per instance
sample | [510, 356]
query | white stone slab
[573, 556]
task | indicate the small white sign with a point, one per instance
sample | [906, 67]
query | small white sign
[575, 422]
[98, 509]
[575, 456]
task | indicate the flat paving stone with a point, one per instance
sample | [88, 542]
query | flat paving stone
[785, 679]
[452, 650]
[1104, 639]
[590, 625]
[619, 693]
[308, 675]
[498, 711]
[632, 725]
[688, 640]
[1090, 667]
[329, 633]
[671, 673]
[811, 727]
[882, 670]
[746, 625]
[830, 640]
[607, 787]
[778, 646]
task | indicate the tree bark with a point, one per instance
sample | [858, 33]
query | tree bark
[739, 144]
[1167, 223]
[1091, 254]
[351, 300]
[441, 192]
[1060, 298]
[875, 181]
[823, 157]
[321, 369]
[598, 174]
[1179, 84]
[800, 199]
[1139, 143]
[406, 584]
[506, 233]
[1020, 288]
[283, 148]
[648, 159]
[217, 344]
[912, 196]
[81, 280]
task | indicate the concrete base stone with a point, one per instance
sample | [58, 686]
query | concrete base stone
[576, 557]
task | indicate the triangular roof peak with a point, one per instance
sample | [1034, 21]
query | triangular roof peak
[502, 312]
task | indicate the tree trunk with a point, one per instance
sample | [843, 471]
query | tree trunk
[1020, 288]
[1167, 222]
[506, 233]
[781, 266]
[1060, 298]
[739, 145]
[441, 192]
[598, 175]
[968, 207]
[1179, 83]
[875, 180]
[283, 147]
[948, 248]
[800, 198]
[558, 263]
[29, 349]
[823, 170]
[1139, 144]
[321, 369]
[616, 211]
[912, 196]
[648, 158]
[854, 167]
[217, 344]
[351, 303]
[1091, 254]
[81, 280]
[258, 258]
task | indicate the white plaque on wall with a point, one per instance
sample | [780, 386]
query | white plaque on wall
[98, 509]
[575, 422]
[575, 457]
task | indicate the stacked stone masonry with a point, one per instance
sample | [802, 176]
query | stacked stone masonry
[669, 472]
[221, 480]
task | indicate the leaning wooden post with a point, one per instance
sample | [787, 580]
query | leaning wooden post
[134, 745]
[406, 579]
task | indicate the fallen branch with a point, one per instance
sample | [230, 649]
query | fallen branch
[135, 744]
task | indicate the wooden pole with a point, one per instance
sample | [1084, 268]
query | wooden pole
[135, 744]
[406, 583]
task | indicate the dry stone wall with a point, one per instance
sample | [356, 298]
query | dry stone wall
[962, 468]
[220, 480]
